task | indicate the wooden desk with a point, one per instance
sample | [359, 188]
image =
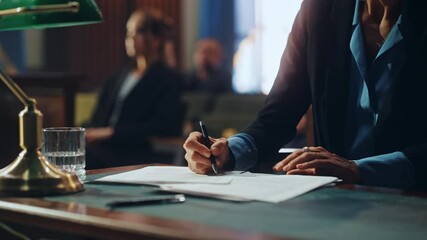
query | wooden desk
[37, 218]
[71, 219]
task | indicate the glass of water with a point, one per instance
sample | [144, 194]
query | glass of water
[65, 147]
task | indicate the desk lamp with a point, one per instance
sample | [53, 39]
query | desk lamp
[30, 174]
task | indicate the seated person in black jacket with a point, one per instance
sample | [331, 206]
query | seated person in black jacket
[143, 100]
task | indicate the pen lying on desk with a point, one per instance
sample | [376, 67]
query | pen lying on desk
[177, 198]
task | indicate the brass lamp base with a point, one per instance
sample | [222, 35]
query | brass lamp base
[32, 175]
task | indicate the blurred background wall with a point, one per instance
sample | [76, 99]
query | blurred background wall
[252, 32]
[77, 60]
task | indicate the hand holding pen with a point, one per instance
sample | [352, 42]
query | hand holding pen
[207, 143]
[200, 155]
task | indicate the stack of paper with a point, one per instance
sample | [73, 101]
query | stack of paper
[231, 185]
[165, 174]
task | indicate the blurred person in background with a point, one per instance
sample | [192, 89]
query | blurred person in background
[141, 101]
[208, 76]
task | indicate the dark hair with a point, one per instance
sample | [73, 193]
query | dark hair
[155, 23]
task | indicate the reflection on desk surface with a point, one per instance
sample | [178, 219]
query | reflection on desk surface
[326, 213]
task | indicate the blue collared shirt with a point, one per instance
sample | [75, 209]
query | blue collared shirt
[369, 83]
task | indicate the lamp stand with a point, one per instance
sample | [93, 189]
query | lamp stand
[31, 174]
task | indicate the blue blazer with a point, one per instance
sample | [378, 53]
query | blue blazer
[315, 69]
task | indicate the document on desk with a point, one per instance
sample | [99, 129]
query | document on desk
[259, 187]
[155, 175]
[288, 150]
[233, 185]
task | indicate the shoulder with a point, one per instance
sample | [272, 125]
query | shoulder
[167, 76]
[324, 9]
[324, 4]
[112, 82]
[314, 6]
[118, 75]
[222, 75]
[318, 17]
[160, 71]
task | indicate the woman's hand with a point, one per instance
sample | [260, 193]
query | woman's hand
[197, 154]
[319, 161]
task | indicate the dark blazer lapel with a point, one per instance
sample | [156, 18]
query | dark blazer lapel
[142, 93]
[414, 31]
[148, 81]
[338, 73]
[108, 99]
[122, 77]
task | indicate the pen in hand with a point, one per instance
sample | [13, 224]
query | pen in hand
[208, 145]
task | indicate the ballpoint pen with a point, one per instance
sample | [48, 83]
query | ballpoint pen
[208, 145]
[177, 198]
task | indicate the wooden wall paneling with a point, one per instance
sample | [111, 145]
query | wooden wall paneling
[98, 49]
[56, 49]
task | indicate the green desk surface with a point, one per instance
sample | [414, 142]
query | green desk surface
[326, 213]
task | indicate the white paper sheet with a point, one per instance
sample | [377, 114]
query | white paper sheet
[288, 150]
[155, 175]
[234, 185]
[259, 187]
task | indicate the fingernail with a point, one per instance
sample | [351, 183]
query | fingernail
[286, 168]
[207, 154]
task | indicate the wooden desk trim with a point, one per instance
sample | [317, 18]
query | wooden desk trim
[104, 224]
[84, 221]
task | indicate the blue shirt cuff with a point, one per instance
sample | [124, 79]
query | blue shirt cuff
[244, 151]
[387, 170]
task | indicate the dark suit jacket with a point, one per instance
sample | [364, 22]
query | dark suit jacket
[218, 81]
[315, 69]
[153, 108]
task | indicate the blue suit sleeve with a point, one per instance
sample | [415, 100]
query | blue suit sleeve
[387, 170]
[244, 151]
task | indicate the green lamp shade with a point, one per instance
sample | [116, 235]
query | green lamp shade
[25, 14]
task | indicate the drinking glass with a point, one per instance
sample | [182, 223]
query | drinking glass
[65, 147]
